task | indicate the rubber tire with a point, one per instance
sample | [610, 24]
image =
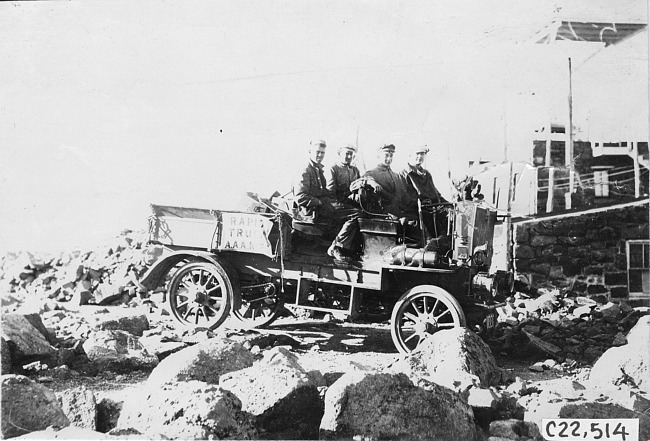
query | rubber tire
[415, 293]
[242, 322]
[223, 278]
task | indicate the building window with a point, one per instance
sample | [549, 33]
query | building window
[638, 268]
[601, 183]
[557, 154]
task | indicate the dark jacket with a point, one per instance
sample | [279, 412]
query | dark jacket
[310, 192]
[339, 178]
[418, 183]
[391, 192]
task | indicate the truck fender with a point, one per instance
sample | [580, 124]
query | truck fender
[155, 276]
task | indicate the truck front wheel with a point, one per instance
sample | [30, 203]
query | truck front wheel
[421, 312]
[200, 295]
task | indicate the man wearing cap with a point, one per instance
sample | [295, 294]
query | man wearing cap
[418, 184]
[310, 192]
[342, 174]
[316, 201]
[387, 184]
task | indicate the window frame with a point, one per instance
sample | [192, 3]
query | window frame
[645, 266]
[601, 186]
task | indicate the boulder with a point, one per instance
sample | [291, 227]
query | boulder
[455, 358]
[630, 363]
[80, 406]
[135, 324]
[389, 406]
[118, 351]
[28, 406]
[25, 342]
[185, 410]
[206, 361]
[280, 394]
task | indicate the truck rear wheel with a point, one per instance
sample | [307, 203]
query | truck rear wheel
[258, 307]
[421, 312]
[200, 295]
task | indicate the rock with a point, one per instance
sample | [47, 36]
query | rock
[455, 358]
[609, 310]
[206, 361]
[198, 335]
[80, 297]
[186, 410]
[559, 387]
[585, 301]
[542, 345]
[280, 394]
[628, 364]
[135, 324]
[28, 406]
[80, 406]
[583, 310]
[36, 322]
[6, 365]
[517, 387]
[549, 364]
[118, 351]
[387, 406]
[625, 396]
[514, 429]
[537, 367]
[619, 339]
[592, 353]
[483, 398]
[155, 344]
[25, 342]
[108, 413]
[67, 433]
[62, 372]
[639, 335]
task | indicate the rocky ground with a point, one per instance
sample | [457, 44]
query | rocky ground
[107, 361]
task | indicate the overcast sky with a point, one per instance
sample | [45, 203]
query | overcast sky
[106, 107]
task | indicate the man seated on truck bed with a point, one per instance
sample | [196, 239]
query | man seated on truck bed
[317, 203]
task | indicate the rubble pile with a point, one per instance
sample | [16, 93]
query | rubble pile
[570, 329]
[79, 314]
[102, 276]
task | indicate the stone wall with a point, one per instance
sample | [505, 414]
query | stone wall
[582, 252]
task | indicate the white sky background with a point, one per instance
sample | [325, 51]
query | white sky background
[106, 107]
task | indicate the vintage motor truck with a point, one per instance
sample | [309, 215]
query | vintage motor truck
[248, 264]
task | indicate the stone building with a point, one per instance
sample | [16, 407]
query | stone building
[601, 251]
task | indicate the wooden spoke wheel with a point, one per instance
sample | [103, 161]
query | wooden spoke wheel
[259, 306]
[421, 312]
[200, 295]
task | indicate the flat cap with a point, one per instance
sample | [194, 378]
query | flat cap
[317, 143]
[420, 149]
[348, 147]
[389, 147]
